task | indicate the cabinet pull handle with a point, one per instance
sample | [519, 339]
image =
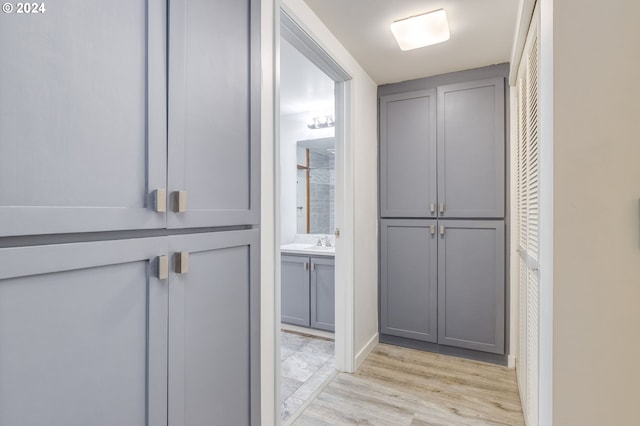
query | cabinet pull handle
[433, 229]
[182, 262]
[313, 266]
[441, 207]
[160, 200]
[180, 201]
[441, 230]
[163, 267]
[432, 207]
[306, 266]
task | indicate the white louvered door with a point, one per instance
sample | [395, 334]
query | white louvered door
[528, 208]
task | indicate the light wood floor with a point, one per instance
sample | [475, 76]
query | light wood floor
[399, 386]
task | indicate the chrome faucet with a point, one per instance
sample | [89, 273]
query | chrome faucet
[327, 241]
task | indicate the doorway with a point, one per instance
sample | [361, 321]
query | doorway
[310, 185]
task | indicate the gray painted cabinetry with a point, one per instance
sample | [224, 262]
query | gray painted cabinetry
[308, 291]
[408, 279]
[141, 118]
[442, 209]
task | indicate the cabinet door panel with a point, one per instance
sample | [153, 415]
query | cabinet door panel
[82, 117]
[408, 279]
[294, 290]
[214, 314]
[323, 293]
[408, 154]
[471, 285]
[83, 332]
[471, 138]
[214, 116]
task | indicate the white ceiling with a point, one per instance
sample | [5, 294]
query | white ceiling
[481, 34]
[303, 87]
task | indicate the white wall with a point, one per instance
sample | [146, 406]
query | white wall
[596, 297]
[293, 128]
[363, 138]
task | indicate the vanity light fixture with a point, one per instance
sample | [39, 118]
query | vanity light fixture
[321, 122]
[421, 30]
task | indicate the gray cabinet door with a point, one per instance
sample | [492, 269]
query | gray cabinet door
[471, 144]
[83, 333]
[214, 326]
[408, 269]
[323, 293]
[294, 290]
[408, 154]
[471, 285]
[82, 117]
[214, 112]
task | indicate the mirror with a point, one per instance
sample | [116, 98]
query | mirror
[315, 191]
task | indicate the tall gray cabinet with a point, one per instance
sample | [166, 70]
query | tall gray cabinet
[129, 214]
[442, 210]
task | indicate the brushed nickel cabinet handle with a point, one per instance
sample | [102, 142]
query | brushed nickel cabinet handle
[163, 267]
[160, 200]
[180, 201]
[441, 207]
[306, 266]
[182, 262]
[441, 230]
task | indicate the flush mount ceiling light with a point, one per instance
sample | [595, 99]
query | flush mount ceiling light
[421, 30]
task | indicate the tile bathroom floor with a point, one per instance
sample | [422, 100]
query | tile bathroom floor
[306, 363]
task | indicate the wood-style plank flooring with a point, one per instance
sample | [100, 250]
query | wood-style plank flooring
[399, 386]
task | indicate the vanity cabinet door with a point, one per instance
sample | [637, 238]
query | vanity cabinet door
[82, 117]
[214, 112]
[214, 329]
[83, 333]
[408, 277]
[471, 145]
[408, 154]
[471, 281]
[323, 293]
[295, 290]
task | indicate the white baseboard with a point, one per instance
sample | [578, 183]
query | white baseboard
[511, 361]
[364, 352]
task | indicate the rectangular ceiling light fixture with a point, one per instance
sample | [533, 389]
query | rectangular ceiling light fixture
[422, 30]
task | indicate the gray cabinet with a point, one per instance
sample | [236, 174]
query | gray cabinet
[295, 290]
[408, 154]
[91, 335]
[458, 174]
[442, 211]
[308, 291]
[471, 285]
[104, 107]
[88, 134]
[214, 329]
[323, 293]
[214, 112]
[471, 140]
[83, 335]
[82, 117]
[408, 279]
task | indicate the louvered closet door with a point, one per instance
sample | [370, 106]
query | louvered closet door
[528, 218]
[82, 117]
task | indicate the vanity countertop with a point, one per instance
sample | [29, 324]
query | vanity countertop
[307, 249]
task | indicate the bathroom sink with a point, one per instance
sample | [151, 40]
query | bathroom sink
[306, 248]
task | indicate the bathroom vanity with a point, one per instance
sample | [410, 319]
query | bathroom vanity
[308, 286]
